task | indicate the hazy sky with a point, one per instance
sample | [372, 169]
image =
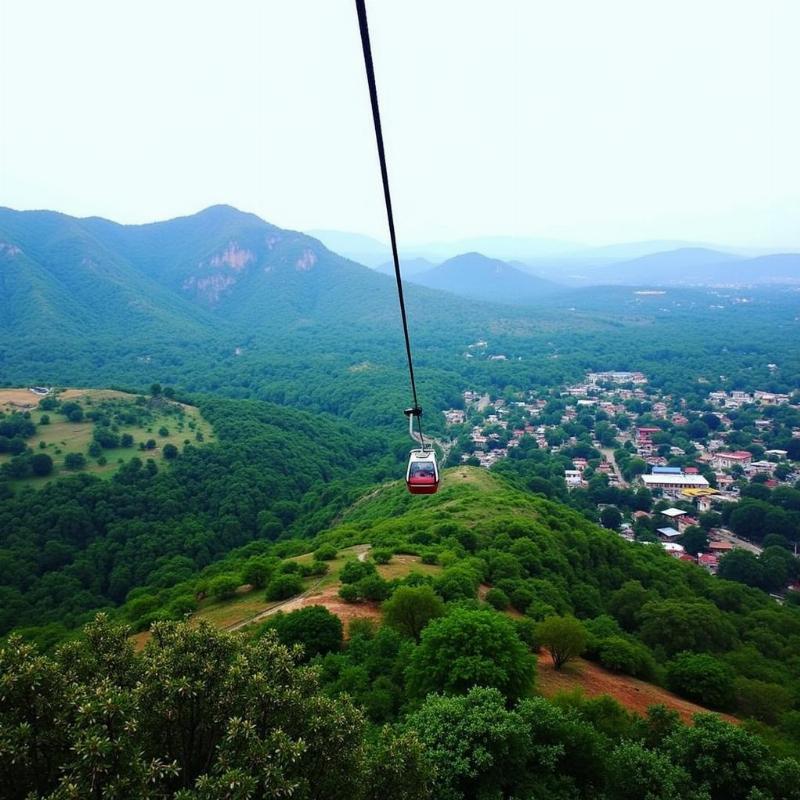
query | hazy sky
[594, 121]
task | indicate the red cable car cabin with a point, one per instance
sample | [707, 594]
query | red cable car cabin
[422, 475]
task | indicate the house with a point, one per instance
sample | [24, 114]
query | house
[668, 534]
[674, 549]
[573, 477]
[720, 548]
[672, 513]
[709, 561]
[672, 485]
[727, 459]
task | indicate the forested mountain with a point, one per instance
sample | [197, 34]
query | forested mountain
[475, 276]
[58, 276]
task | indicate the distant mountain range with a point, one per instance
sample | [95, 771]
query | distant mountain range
[218, 270]
[475, 276]
[657, 262]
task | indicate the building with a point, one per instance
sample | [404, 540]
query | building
[673, 485]
[727, 459]
[668, 534]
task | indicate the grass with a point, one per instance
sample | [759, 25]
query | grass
[61, 436]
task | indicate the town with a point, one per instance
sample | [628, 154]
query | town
[703, 483]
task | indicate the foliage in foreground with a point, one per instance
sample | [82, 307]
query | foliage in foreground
[204, 715]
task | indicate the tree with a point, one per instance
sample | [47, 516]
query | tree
[694, 540]
[411, 608]
[325, 552]
[471, 648]
[257, 571]
[476, 745]
[223, 587]
[563, 637]
[41, 464]
[498, 599]
[723, 759]
[74, 461]
[198, 714]
[354, 570]
[610, 517]
[283, 586]
[702, 678]
[742, 566]
[170, 451]
[313, 627]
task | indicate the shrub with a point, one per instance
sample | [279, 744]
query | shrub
[170, 451]
[702, 678]
[354, 570]
[223, 587]
[313, 627]
[621, 655]
[381, 556]
[325, 552]
[498, 599]
[349, 593]
[74, 461]
[41, 464]
[283, 586]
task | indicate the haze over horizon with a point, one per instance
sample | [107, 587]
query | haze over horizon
[574, 122]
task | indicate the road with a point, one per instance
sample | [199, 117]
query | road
[724, 535]
[608, 454]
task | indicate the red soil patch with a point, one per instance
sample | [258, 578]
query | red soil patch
[329, 597]
[594, 681]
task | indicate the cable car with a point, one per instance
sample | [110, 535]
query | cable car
[422, 475]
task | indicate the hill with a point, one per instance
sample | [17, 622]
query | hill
[409, 267]
[475, 276]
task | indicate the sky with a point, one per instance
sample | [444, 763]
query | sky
[585, 121]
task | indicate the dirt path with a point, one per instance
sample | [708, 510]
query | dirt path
[300, 600]
[594, 681]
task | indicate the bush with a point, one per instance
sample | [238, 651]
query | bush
[621, 655]
[314, 627]
[373, 587]
[702, 678]
[283, 586]
[381, 556]
[41, 464]
[223, 587]
[74, 461]
[170, 451]
[498, 599]
[354, 570]
[257, 572]
[349, 593]
[411, 608]
[325, 552]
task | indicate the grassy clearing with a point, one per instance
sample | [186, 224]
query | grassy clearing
[62, 437]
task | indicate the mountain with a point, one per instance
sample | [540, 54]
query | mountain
[355, 246]
[57, 276]
[475, 276]
[409, 267]
[219, 270]
[667, 267]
